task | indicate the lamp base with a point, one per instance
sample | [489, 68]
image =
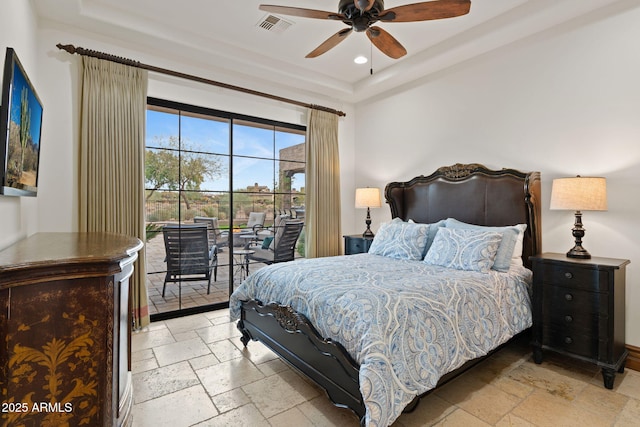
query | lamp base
[578, 233]
[578, 252]
[368, 232]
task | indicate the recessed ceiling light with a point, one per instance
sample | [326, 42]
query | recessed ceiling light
[360, 59]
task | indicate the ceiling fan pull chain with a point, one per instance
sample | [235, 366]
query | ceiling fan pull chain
[371, 57]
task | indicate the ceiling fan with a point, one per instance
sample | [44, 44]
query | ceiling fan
[360, 15]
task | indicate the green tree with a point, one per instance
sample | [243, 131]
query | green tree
[175, 169]
[161, 170]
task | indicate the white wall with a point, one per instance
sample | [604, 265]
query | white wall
[565, 102]
[18, 29]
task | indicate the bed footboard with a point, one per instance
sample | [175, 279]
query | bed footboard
[291, 336]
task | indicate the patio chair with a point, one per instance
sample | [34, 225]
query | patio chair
[283, 246]
[189, 255]
[217, 237]
[256, 220]
[278, 222]
[249, 234]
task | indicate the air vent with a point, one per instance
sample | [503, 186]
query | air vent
[274, 24]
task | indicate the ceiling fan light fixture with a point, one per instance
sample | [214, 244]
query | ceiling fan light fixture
[360, 59]
[360, 15]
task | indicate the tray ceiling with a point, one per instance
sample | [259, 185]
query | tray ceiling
[235, 38]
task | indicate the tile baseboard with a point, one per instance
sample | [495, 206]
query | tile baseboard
[633, 360]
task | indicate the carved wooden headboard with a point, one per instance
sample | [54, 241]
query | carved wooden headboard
[474, 194]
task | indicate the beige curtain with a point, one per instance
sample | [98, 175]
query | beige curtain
[112, 120]
[323, 186]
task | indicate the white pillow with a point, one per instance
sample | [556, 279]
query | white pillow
[464, 249]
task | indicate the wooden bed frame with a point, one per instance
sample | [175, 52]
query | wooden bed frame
[468, 192]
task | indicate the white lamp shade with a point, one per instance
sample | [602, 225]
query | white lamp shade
[579, 194]
[368, 198]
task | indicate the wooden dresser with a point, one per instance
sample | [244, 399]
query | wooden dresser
[65, 330]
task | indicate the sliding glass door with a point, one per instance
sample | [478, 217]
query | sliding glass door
[234, 175]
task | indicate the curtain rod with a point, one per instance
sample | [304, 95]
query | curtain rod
[120, 60]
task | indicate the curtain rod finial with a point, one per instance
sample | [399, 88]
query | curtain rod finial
[67, 47]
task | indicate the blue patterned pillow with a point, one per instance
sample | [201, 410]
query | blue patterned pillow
[398, 239]
[510, 249]
[431, 233]
[433, 230]
[464, 249]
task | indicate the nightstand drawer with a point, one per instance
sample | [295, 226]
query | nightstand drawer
[572, 342]
[356, 244]
[562, 300]
[575, 277]
[575, 322]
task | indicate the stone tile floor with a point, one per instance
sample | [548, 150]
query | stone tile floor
[194, 371]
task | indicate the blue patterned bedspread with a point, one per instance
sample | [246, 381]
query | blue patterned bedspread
[405, 322]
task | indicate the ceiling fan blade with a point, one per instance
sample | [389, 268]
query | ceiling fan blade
[386, 42]
[426, 11]
[329, 43]
[364, 5]
[304, 13]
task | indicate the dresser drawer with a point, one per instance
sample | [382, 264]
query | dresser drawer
[575, 277]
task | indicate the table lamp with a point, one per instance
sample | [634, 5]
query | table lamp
[367, 198]
[579, 194]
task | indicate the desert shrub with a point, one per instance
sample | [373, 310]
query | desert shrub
[152, 230]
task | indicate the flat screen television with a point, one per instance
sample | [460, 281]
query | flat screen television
[20, 127]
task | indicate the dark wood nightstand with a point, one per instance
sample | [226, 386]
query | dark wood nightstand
[578, 310]
[356, 244]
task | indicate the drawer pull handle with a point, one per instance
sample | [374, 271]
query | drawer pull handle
[568, 340]
[568, 275]
[568, 297]
[568, 319]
